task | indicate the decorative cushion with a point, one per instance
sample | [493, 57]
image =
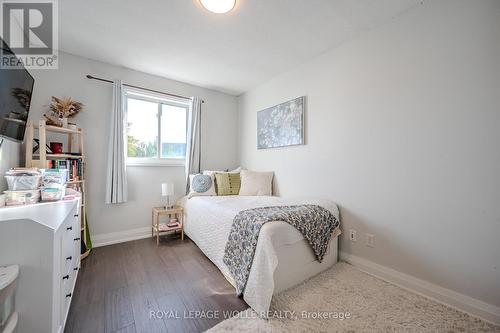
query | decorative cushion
[213, 172]
[228, 183]
[256, 183]
[200, 185]
[238, 169]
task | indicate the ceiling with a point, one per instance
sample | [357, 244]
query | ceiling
[233, 53]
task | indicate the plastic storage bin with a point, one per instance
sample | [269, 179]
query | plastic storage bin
[13, 198]
[8, 281]
[54, 176]
[52, 193]
[22, 183]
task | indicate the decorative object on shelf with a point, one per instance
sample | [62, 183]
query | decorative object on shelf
[173, 223]
[62, 109]
[167, 189]
[36, 146]
[281, 125]
[56, 147]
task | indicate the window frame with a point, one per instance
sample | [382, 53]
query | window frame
[159, 99]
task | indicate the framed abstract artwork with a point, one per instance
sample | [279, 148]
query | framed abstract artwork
[281, 125]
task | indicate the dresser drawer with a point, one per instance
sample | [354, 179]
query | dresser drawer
[70, 227]
[46, 243]
[70, 243]
[67, 292]
[68, 254]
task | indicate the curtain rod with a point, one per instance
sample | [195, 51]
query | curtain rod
[90, 77]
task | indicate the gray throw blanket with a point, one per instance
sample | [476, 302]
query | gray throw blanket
[314, 222]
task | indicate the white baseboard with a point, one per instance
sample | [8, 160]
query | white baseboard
[472, 306]
[120, 236]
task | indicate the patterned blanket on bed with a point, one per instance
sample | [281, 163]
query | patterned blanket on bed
[314, 222]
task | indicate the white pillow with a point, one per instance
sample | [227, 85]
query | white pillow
[238, 169]
[213, 172]
[201, 185]
[256, 183]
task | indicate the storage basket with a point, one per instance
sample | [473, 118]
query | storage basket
[23, 182]
[54, 176]
[52, 193]
[13, 198]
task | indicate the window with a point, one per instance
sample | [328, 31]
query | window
[156, 129]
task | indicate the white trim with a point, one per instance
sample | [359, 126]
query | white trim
[461, 302]
[155, 162]
[120, 236]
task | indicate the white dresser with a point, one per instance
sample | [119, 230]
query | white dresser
[44, 240]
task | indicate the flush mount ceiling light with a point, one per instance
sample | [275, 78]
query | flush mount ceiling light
[218, 6]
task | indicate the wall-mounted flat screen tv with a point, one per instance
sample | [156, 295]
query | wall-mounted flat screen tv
[16, 86]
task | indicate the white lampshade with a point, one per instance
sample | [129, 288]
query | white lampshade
[167, 189]
[218, 6]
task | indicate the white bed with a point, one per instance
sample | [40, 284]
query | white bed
[283, 258]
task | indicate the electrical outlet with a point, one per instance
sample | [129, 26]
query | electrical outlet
[352, 235]
[370, 240]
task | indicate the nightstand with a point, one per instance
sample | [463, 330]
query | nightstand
[157, 227]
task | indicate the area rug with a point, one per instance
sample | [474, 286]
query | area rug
[344, 299]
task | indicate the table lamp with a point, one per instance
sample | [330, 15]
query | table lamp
[167, 189]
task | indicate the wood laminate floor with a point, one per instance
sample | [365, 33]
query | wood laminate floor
[140, 287]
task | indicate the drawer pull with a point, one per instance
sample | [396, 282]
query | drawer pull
[69, 258]
[66, 277]
[69, 228]
[68, 295]
[76, 215]
[77, 239]
[75, 269]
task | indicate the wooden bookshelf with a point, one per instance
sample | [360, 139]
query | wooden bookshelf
[40, 159]
[59, 156]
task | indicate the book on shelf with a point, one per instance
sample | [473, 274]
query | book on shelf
[74, 167]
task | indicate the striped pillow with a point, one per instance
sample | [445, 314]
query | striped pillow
[228, 183]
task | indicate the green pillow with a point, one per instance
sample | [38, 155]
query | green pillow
[228, 183]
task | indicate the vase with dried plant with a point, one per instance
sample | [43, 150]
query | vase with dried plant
[61, 109]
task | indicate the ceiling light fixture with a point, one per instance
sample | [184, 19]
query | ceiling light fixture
[218, 6]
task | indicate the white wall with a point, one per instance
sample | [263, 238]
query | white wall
[10, 157]
[219, 138]
[403, 132]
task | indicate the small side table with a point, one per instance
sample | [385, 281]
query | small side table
[157, 227]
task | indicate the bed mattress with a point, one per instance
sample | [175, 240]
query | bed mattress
[282, 259]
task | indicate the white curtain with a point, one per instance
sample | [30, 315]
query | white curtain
[193, 149]
[116, 182]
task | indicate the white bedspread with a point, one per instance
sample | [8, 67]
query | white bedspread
[208, 221]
